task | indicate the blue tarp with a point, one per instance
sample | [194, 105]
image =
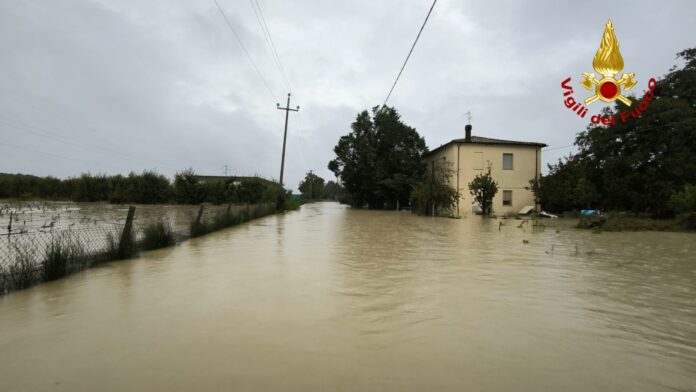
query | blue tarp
[589, 212]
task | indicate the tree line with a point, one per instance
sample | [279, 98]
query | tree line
[313, 187]
[646, 165]
[148, 187]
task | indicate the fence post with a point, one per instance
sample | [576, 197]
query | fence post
[126, 234]
[9, 226]
[200, 214]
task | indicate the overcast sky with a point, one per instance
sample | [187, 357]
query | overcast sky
[120, 86]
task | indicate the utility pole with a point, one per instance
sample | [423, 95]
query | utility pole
[285, 135]
[311, 182]
[225, 170]
[281, 197]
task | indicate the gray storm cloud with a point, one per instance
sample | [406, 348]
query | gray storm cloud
[123, 86]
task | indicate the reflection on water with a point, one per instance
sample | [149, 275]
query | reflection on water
[330, 298]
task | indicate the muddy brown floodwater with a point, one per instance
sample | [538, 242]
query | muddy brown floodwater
[334, 299]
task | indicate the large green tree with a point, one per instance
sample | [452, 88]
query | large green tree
[637, 165]
[379, 161]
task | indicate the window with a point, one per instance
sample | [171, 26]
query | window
[478, 161]
[507, 198]
[507, 161]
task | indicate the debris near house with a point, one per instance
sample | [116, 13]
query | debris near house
[590, 213]
[526, 210]
[545, 214]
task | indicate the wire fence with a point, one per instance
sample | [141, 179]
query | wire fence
[27, 258]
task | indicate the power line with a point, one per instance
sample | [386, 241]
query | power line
[55, 136]
[409, 53]
[274, 52]
[271, 44]
[558, 148]
[56, 155]
[251, 60]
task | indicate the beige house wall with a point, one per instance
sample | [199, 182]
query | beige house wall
[470, 159]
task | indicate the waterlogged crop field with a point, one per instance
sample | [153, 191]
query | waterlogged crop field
[48, 216]
[34, 224]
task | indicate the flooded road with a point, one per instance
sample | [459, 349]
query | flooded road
[330, 298]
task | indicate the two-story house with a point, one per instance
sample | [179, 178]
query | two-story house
[513, 165]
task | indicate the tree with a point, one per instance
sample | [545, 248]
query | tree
[217, 191]
[684, 201]
[187, 189]
[91, 188]
[253, 190]
[636, 165]
[148, 187]
[535, 187]
[333, 190]
[483, 187]
[312, 187]
[379, 161]
[434, 191]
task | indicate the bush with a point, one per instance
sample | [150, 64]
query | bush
[483, 188]
[22, 272]
[55, 265]
[685, 201]
[687, 221]
[63, 256]
[157, 235]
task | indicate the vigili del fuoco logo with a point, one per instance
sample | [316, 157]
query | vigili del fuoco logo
[608, 62]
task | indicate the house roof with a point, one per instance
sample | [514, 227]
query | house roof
[486, 140]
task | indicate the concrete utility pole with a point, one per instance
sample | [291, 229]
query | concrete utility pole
[285, 135]
[311, 182]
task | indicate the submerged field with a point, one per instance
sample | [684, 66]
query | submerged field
[49, 240]
[332, 298]
[47, 216]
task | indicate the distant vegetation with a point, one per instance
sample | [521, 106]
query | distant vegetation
[645, 166]
[312, 187]
[334, 191]
[148, 187]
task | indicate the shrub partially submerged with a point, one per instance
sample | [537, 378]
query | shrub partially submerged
[157, 235]
[64, 255]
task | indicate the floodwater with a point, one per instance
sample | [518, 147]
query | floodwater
[334, 299]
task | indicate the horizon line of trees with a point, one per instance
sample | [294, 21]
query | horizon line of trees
[149, 187]
[314, 187]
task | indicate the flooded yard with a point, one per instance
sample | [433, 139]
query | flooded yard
[330, 298]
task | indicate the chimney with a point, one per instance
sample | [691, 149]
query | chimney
[467, 128]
